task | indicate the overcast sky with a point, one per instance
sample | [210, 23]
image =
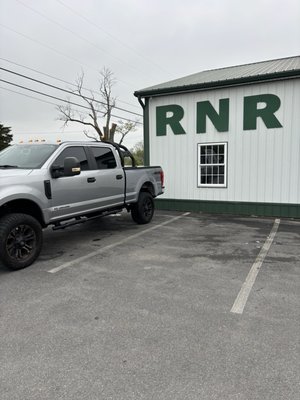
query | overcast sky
[144, 42]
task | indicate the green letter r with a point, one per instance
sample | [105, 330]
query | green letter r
[162, 119]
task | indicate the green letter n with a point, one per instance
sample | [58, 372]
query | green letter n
[251, 112]
[163, 119]
[220, 121]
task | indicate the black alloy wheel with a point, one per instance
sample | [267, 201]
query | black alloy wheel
[20, 240]
[142, 212]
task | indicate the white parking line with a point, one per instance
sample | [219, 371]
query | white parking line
[111, 246]
[240, 301]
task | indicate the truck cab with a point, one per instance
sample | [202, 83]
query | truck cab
[60, 185]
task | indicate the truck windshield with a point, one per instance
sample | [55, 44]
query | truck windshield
[26, 156]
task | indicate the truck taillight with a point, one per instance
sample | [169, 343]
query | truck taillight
[162, 178]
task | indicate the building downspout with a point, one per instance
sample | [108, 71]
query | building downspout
[141, 102]
[145, 107]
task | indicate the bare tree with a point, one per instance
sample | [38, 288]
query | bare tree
[97, 109]
[123, 128]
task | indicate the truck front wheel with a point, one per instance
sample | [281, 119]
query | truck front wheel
[142, 211]
[21, 240]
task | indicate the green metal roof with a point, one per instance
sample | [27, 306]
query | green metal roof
[230, 76]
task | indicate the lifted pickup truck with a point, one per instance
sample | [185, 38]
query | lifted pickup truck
[65, 184]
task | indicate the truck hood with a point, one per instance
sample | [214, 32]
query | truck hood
[11, 172]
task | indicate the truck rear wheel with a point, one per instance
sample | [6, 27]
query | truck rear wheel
[21, 240]
[142, 211]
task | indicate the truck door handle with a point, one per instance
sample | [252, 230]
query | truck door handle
[119, 177]
[91, 180]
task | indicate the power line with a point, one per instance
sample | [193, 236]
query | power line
[76, 35]
[48, 47]
[65, 90]
[43, 101]
[26, 95]
[44, 94]
[61, 80]
[57, 51]
[63, 100]
[90, 22]
[32, 133]
[44, 132]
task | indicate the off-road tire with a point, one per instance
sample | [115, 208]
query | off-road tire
[21, 240]
[142, 211]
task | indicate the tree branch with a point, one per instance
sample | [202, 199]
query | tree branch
[98, 109]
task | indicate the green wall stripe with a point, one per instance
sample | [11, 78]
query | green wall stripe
[224, 207]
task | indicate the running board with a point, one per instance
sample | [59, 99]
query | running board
[81, 220]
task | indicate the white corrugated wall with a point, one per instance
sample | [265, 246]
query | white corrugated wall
[263, 165]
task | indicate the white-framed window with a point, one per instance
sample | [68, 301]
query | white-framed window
[212, 164]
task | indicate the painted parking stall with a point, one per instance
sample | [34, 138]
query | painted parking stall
[145, 312]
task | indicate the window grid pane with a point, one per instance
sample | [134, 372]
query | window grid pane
[212, 164]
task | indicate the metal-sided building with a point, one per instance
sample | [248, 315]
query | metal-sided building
[228, 139]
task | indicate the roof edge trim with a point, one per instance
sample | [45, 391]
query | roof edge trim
[217, 84]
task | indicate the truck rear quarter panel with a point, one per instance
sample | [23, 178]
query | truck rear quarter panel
[136, 177]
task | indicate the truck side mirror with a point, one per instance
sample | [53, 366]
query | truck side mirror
[71, 166]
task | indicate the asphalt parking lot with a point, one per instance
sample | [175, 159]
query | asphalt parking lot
[191, 306]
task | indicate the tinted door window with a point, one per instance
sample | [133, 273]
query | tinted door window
[104, 157]
[77, 152]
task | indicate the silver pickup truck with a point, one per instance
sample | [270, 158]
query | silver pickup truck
[64, 184]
